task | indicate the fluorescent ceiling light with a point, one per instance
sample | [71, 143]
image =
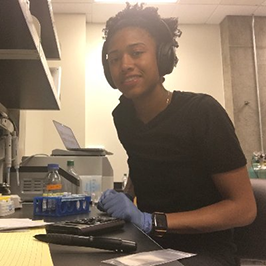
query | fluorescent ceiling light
[132, 1]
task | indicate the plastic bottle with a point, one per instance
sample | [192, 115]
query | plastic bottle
[53, 184]
[262, 169]
[71, 169]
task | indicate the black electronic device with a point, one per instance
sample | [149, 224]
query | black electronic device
[106, 243]
[71, 143]
[87, 226]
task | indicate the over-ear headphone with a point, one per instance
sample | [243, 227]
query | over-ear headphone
[166, 58]
[106, 69]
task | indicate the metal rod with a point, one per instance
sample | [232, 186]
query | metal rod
[257, 83]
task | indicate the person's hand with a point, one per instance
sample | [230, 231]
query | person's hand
[118, 205]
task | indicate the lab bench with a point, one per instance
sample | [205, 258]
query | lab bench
[71, 255]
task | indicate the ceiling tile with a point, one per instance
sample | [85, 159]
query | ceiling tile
[223, 11]
[166, 10]
[241, 2]
[188, 11]
[196, 14]
[72, 1]
[102, 12]
[260, 11]
[199, 2]
[72, 8]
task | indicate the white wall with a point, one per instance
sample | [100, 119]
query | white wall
[200, 63]
[199, 70]
[41, 135]
[87, 100]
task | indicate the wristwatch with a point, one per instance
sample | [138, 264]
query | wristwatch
[159, 224]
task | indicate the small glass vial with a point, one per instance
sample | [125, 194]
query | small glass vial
[53, 182]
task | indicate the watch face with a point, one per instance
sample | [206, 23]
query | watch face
[160, 222]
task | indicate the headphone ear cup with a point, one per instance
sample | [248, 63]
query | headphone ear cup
[166, 58]
[106, 67]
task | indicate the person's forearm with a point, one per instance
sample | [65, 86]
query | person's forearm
[237, 209]
[220, 216]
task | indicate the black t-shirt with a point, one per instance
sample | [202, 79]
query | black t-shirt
[172, 158]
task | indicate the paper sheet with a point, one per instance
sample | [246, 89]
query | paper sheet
[20, 248]
[17, 223]
[149, 258]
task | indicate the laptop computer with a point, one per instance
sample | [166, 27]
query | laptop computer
[68, 138]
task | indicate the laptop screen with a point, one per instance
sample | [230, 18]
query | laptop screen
[66, 135]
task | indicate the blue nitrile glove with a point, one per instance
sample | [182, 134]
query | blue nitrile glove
[106, 193]
[103, 196]
[118, 205]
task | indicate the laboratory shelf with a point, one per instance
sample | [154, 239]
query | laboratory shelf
[26, 80]
[42, 10]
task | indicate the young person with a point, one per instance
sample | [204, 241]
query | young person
[186, 167]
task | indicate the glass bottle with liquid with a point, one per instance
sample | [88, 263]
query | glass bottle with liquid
[53, 182]
[52, 188]
[71, 169]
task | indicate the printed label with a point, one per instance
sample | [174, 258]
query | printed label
[54, 187]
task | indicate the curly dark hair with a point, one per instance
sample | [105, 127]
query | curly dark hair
[161, 29]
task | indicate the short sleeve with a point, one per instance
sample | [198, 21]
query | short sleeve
[215, 134]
